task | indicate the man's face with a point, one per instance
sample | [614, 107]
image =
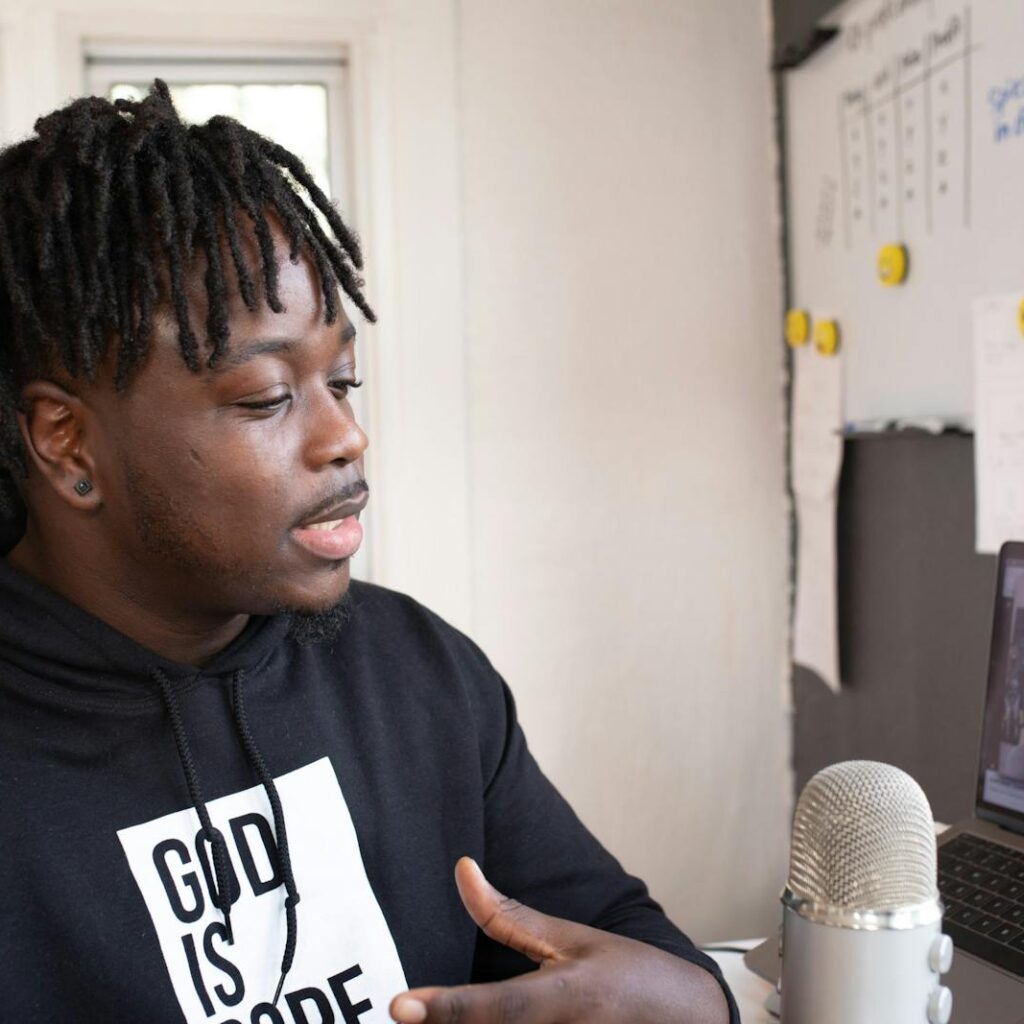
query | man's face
[208, 480]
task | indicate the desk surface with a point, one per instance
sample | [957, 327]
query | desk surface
[750, 990]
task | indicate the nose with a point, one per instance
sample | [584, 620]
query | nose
[334, 434]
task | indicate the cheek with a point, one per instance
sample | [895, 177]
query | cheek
[238, 485]
[234, 482]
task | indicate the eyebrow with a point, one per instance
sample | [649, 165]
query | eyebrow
[269, 346]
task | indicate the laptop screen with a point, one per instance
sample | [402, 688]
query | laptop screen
[1001, 766]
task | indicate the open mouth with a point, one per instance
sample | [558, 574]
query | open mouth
[332, 524]
[336, 534]
[332, 517]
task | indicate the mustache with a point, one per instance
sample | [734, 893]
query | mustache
[349, 492]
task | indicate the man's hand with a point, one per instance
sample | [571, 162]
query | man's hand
[585, 974]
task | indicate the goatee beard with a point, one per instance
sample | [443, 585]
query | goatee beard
[319, 627]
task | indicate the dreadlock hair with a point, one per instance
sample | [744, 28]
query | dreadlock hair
[102, 215]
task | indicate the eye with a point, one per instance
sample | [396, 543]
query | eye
[341, 386]
[268, 405]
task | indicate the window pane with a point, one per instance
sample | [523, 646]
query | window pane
[293, 115]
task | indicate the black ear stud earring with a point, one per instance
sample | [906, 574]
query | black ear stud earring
[83, 486]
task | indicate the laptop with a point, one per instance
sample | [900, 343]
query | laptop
[981, 860]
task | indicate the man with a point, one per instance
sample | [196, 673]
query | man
[234, 785]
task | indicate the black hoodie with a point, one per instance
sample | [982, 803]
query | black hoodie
[339, 783]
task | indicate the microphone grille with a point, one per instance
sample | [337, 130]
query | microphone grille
[863, 839]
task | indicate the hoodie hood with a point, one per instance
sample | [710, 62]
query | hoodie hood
[79, 658]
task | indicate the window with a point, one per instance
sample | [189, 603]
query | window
[298, 98]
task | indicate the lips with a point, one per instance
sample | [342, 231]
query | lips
[335, 534]
[337, 513]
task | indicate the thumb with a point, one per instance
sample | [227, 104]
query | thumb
[536, 935]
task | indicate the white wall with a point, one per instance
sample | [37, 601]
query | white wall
[624, 380]
[568, 207]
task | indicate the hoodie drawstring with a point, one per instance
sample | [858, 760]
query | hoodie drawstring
[259, 766]
[225, 894]
[223, 897]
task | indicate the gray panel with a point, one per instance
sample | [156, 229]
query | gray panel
[915, 608]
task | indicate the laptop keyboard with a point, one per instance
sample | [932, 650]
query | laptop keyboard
[982, 886]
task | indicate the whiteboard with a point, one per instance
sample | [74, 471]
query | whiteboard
[908, 128]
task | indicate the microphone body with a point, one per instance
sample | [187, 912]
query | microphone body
[841, 975]
[862, 938]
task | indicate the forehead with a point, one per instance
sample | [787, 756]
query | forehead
[252, 331]
[247, 350]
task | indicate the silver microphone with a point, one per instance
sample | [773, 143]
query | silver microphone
[862, 938]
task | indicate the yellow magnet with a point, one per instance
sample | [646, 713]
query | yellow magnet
[798, 327]
[892, 264]
[826, 337]
[1020, 316]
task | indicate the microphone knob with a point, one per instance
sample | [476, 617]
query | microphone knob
[940, 956]
[940, 1006]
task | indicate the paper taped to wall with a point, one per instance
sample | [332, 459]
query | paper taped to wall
[817, 422]
[816, 621]
[998, 421]
[817, 458]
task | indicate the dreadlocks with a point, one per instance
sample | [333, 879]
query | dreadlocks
[106, 209]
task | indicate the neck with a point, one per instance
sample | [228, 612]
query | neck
[190, 638]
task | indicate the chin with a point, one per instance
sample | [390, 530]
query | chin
[324, 592]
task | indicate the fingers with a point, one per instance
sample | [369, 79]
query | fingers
[411, 1007]
[536, 935]
[538, 998]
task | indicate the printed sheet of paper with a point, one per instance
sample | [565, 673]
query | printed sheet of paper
[998, 422]
[817, 459]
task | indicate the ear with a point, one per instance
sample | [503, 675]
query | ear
[53, 427]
